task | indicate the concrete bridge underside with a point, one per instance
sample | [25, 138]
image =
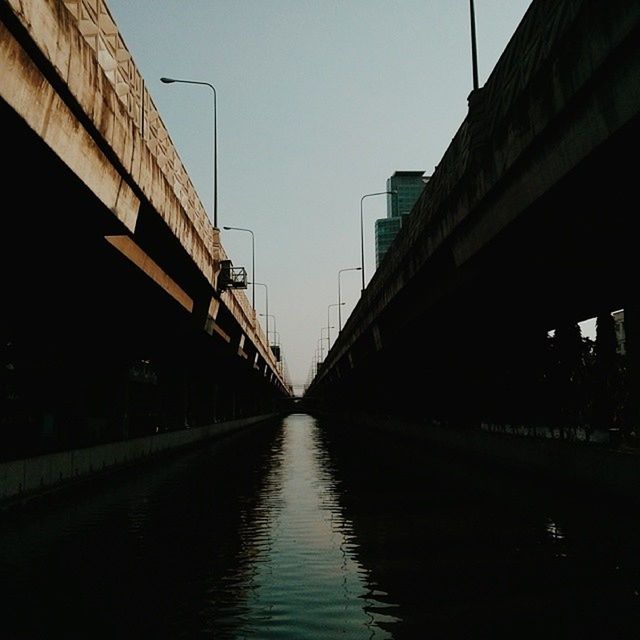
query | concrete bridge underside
[97, 349]
[527, 223]
[446, 334]
[115, 323]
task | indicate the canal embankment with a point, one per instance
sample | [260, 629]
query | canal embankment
[599, 464]
[32, 477]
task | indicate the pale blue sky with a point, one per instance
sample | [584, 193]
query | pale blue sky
[318, 103]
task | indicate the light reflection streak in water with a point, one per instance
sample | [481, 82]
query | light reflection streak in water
[307, 582]
[309, 529]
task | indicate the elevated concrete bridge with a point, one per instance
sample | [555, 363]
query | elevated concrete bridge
[117, 321]
[527, 223]
[120, 337]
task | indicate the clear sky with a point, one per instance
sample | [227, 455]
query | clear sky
[318, 103]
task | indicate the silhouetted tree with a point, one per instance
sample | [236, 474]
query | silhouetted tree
[533, 377]
[605, 372]
[568, 376]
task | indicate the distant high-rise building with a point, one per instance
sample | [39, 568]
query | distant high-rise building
[408, 186]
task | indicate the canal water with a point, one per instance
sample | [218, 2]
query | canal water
[307, 529]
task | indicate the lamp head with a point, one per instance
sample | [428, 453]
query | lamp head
[167, 80]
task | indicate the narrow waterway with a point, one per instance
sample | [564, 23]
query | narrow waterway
[306, 529]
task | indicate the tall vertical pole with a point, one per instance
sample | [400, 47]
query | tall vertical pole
[329, 322]
[253, 262]
[339, 301]
[266, 296]
[362, 241]
[340, 271]
[215, 159]
[474, 52]
[367, 195]
[253, 272]
[215, 140]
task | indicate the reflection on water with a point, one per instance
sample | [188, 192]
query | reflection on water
[307, 582]
[465, 550]
[307, 529]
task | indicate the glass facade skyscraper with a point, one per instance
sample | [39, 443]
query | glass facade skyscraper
[408, 186]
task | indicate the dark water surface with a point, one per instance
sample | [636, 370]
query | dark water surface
[308, 530]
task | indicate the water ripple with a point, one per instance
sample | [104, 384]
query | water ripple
[306, 530]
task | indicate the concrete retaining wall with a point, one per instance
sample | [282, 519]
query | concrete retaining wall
[20, 479]
[596, 465]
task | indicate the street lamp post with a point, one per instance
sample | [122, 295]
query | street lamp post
[253, 261]
[215, 141]
[474, 52]
[367, 195]
[321, 338]
[270, 315]
[340, 297]
[266, 297]
[329, 322]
